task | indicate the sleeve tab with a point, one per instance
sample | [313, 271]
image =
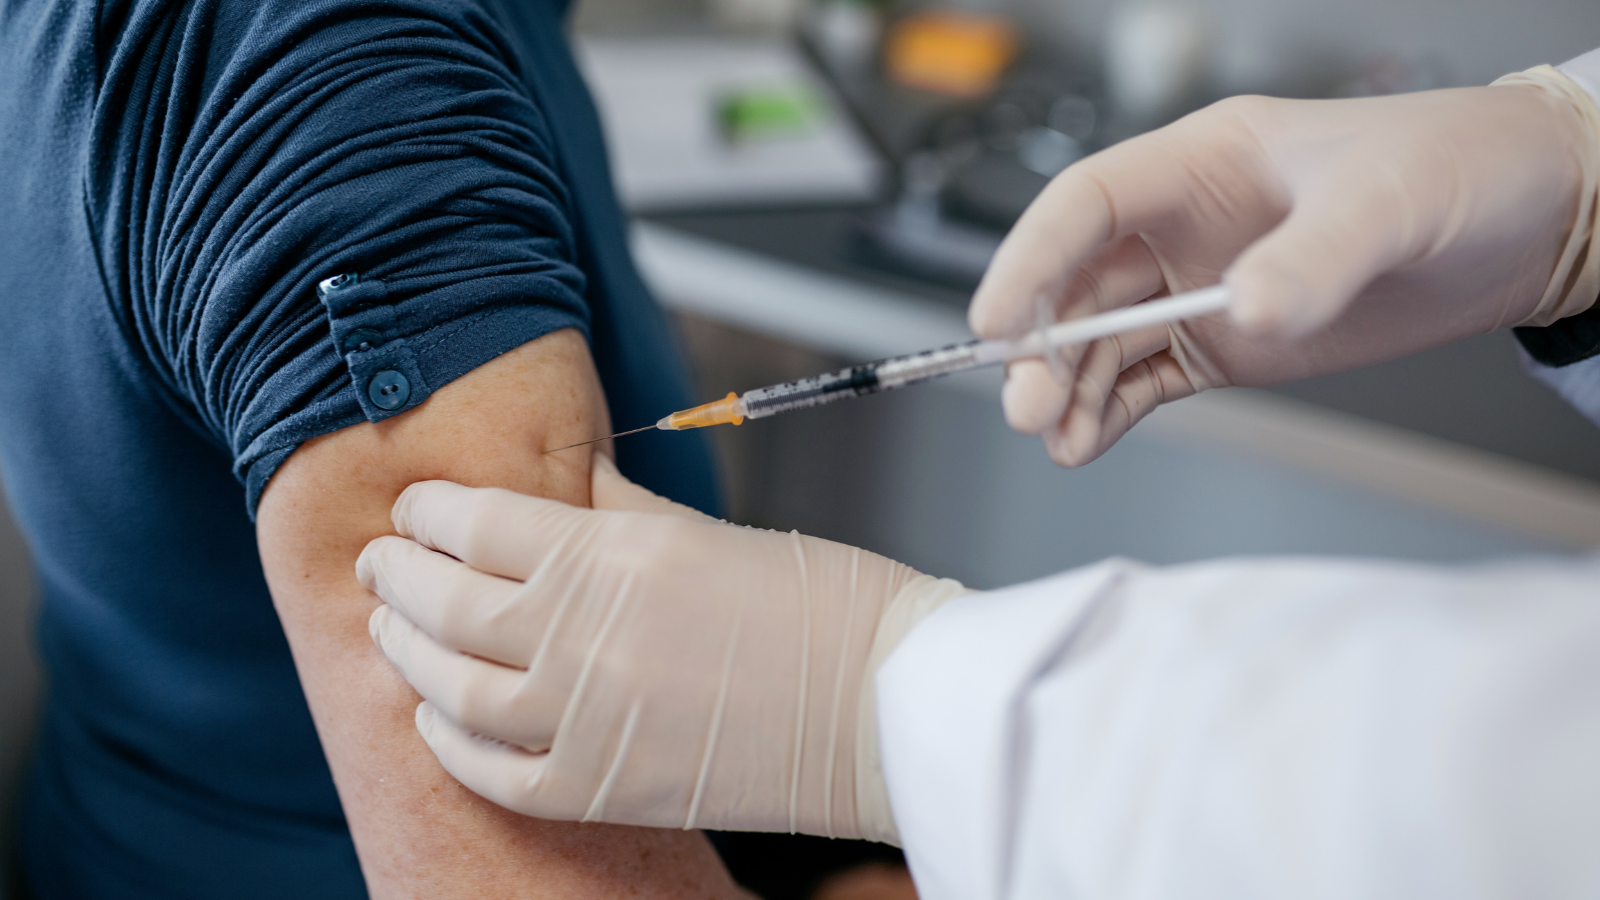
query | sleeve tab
[383, 367]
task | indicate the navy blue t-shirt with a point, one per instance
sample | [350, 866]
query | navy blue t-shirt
[177, 178]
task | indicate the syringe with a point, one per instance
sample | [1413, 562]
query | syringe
[899, 371]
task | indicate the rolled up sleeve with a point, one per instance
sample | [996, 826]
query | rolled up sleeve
[396, 143]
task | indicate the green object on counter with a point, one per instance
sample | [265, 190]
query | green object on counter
[769, 111]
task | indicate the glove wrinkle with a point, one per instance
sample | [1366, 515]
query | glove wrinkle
[836, 709]
[1190, 355]
[714, 730]
[592, 654]
[804, 578]
[1576, 279]
[568, 596]
[597, 806]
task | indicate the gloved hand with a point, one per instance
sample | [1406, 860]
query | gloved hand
[641, 663]
[1350, 232]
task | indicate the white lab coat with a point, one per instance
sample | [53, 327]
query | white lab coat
[1254, 729]
[1267, 728]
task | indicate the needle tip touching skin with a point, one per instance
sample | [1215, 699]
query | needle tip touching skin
[599, 439]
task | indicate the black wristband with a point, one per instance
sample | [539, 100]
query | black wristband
[1573, 339]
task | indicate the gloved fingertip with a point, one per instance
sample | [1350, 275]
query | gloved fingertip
[1287, 319]
[367, 566]
[1019, 417]
[1060, 450]
[400, 515]
[991, 319]
[1248, 313]
[1256, 299]
[1279, 294]
[605, 478]
[998, 308]
[980, 317]
[1075, 441]
[426, 715]
[413, 504]
[378, 561]
[1032, 397]
[378, 623]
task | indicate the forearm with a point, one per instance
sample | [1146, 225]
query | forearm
[419, 833]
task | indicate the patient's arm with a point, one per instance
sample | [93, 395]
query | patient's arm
[418, 832]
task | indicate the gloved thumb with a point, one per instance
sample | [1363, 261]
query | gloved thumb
[1302, 275]
[610, 489]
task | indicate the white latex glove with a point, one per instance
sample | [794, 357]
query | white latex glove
[1350, 231]
[641, 663]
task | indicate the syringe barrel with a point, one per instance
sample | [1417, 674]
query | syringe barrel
[854, 381]
[899, 371]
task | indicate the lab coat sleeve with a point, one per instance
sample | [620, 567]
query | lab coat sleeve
[1585, 70]
[1254, 729]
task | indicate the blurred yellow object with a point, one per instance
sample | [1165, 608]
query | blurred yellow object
[956, 53]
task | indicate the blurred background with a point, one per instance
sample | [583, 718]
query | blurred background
[821, 182]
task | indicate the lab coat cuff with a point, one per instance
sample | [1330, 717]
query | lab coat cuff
[1585, 70]
[949, 715]
[920, 598]
[1577, 383]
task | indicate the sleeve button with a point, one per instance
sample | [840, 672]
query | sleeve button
[362, 339]
[389, 389]
[337, 283]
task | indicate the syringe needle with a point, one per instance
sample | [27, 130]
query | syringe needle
[599, 439]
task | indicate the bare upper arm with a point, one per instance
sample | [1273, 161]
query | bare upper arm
[418, 832]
